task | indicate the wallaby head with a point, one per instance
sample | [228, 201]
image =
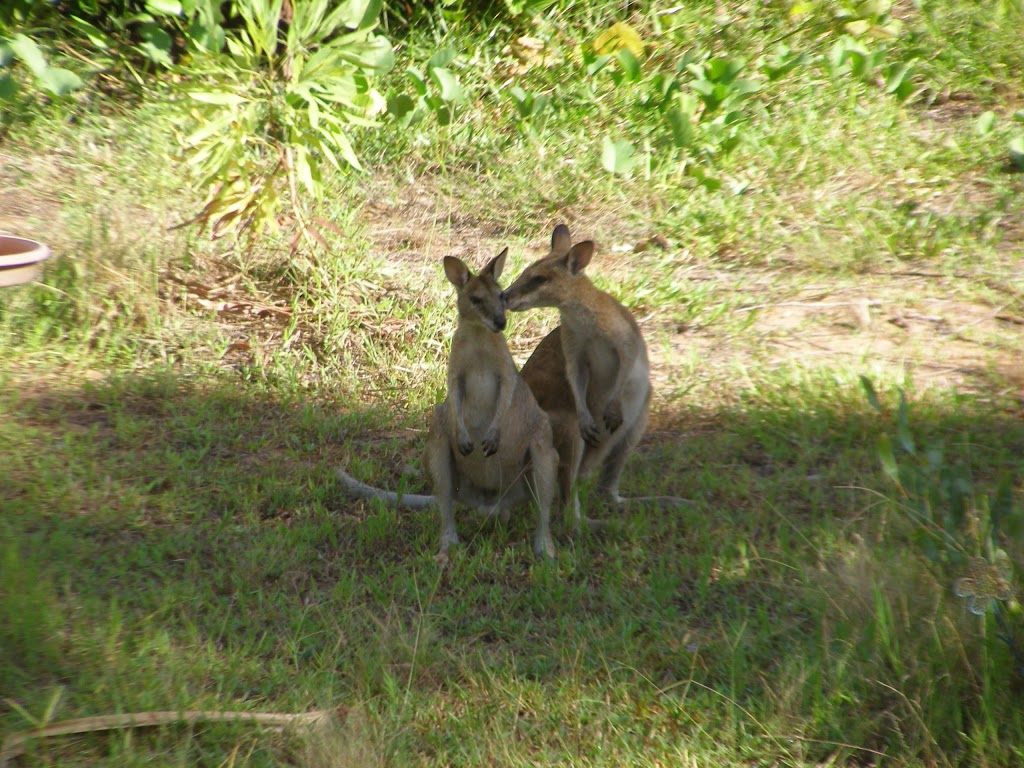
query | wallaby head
[552, 280]
[479, 296]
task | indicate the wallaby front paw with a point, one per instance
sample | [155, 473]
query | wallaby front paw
[490, 443]
[613, 415]
[465, 443]
[590, 432]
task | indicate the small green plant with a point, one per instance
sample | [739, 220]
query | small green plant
[1016, 144]
[55, 83]
[436, 91]
[961, 530]
[281, 100]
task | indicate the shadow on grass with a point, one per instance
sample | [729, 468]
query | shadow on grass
[175, 544]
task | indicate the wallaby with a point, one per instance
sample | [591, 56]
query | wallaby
[591, 374]
[489, 444]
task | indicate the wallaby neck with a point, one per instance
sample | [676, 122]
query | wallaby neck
[583, 308]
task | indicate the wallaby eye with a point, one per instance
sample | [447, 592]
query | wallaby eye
[476, 300]
[536, 281]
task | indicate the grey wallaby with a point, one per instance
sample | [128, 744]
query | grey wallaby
[489, 444]
[591, 374]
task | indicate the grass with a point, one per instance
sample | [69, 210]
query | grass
[172, 409]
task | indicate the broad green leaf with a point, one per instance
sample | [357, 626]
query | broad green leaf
[888, 460]
[724, 70]
[26, 49]
[156, 44]
[874, 8]
[303, 171]
[682, 128]
[206, 36]
[450, 88]
[402, 107]
[630, 64]
[60, 82]
[985, 123]
[8, 88]
[745, 88]
[313, 110]
[1017, 151]
[617, 156]
[898, 79]
[95, 35]
[869, 392]
[360, 14]
[597, 64]
[1019, 115]
[710, 183]
[442, 58]
[344, 146]
[374, 54]
[703, 87]
[164, 7]
[903, 426]
[522, 99]
[419, 81]
[858, 27]
[221, 98]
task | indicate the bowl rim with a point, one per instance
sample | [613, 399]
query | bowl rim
[34, 253]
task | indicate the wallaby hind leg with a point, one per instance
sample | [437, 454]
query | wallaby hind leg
[543, 471]
[569, 446]
[611, 467]
[441, 466]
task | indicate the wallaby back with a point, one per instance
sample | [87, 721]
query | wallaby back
[592, 373]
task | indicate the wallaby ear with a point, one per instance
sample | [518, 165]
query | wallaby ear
[579, 256]
[457, 272]
[561, 240]
[495, 265]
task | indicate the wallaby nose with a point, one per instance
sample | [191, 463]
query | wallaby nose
[499, 321]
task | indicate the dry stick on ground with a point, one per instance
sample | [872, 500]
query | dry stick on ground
[14, 745]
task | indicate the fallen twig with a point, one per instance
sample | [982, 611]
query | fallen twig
[14, 745]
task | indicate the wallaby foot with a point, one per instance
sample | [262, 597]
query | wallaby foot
[449, 538]
[544, 546]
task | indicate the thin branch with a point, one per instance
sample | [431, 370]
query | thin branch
[15, 744]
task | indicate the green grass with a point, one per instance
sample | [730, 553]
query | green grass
[172, 535]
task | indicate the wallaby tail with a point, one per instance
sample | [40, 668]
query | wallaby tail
[361, 490]
[665, 502]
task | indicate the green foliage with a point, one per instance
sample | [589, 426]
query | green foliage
[49, 83]
[959, 528]
[953, 521]
[437, 92]
[278, 102]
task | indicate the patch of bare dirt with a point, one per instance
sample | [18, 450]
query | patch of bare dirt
[922, 323]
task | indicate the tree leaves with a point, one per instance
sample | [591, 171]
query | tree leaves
[617, 156]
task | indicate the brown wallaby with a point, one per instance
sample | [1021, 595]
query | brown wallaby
[591, 374]
[489, 444]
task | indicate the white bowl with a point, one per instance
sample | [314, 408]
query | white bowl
[21, 260]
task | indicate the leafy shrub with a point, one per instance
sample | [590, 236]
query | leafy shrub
[280, 99]
[970, 535]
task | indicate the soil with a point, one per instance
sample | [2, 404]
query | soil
[942, 328]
